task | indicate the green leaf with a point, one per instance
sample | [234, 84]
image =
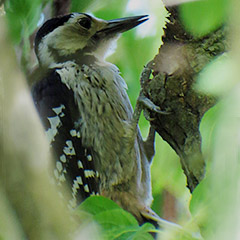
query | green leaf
[130, 233]
[119, 224]
[199, 196]
[208, 128]
[80, 6]
[115, 222]
[135, 236]
[203, 17]
[22, 17]
[115, 218]
[98, 204]
[217, 77]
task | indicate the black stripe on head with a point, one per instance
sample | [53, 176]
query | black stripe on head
[87, 16]
[49, 26]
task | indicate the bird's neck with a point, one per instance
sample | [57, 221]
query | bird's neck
[53, 56]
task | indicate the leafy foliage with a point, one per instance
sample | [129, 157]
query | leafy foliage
[114, 221]
[217, 78]
[23, 17]
[213, 205]
[202, 17]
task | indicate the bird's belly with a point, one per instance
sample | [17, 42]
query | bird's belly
[104, 126]
[105, 115]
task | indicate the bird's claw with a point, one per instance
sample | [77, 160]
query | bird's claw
[147, 103]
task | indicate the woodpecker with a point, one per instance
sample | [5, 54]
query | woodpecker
[90, 124]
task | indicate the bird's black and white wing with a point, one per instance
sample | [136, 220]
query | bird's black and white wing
[59, 114]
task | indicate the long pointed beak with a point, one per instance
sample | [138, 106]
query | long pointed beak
[120, 25]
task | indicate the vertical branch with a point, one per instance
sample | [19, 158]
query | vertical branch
[175, 69]
[61, 7]
[25, 156]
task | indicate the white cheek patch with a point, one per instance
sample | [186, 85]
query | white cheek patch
[61, 42]
[106, 48]
[44, 53]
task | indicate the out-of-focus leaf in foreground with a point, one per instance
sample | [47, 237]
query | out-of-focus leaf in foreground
[114, 221]
[215, 202]
[23, 17]
[217, 78]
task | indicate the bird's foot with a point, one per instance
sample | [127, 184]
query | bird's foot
[149, 105]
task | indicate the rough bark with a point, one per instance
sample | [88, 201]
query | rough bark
[174, 72]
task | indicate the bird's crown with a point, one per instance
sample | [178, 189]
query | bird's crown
[77, 35]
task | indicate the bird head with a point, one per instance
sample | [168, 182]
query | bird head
[79, 35]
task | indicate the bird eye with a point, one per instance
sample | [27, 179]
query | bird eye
[85, 22]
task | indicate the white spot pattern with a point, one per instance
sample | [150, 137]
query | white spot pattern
[62, 178]
[55, 122]
[75, 187]
[63, 158]
[86, 188]
[73, 133]
[79, 180]
[89, 173]
[58, 110]
[59, 166]
[80, 165]
[89, 157]
[69, 150]
[62, 114]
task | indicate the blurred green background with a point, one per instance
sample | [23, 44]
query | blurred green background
[214, 204]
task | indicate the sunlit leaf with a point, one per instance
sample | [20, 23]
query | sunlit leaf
[115, 222]
[207, 128]
[199, 197]
[98, 204]
[115, 218]
[119, 224]
[216, 78]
